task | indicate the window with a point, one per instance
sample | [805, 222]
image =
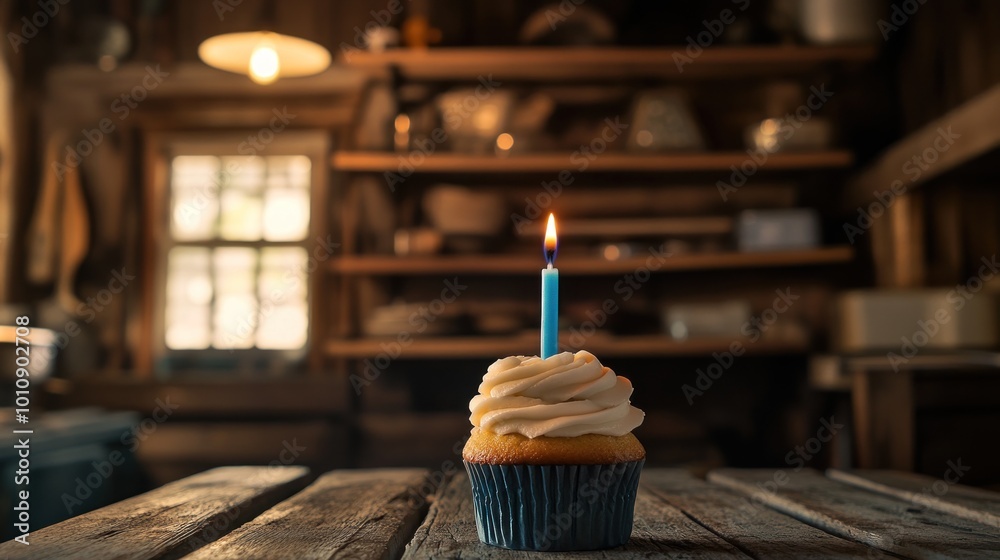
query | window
[234, 254]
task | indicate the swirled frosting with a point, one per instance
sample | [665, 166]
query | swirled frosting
[565, 395]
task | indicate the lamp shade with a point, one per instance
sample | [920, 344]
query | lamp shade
[264, 55]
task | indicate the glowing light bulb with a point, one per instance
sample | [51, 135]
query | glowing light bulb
[264, 65]
[505, 141]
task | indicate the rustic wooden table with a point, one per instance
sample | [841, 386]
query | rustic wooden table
[274, 513]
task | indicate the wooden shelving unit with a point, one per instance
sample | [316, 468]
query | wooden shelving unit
[525, 264]
[353, 273]
[561, 63]
[379, 162]
[601, 345]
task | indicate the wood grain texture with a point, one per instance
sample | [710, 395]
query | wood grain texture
[882, 522]
[660, 531]
[353, 515]
[757, 530]
[970, 503]
[167, 522]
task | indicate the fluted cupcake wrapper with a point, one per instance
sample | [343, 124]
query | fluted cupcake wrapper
[554, 507]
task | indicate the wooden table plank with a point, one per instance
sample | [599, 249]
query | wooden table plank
[975, 504]
[345, 514]
[757, 530]
[886, 523]
[169, 521]
[660, 531]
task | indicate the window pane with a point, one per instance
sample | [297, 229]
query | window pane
[235, 314]
[235, 270]
[235, 321]
[187, 327]
[241, 216]
[194, 203]
[194, 214]
[195, 258]
[189, 286]
[244, 172]
[194, 172]
[283, 275]
[283, 327]
[189, 293]
[289, 172]
[286, 214]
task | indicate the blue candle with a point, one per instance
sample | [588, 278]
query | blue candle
[550, 293]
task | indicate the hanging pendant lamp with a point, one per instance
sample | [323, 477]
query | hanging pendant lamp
[264, 55]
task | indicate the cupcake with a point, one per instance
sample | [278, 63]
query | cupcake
[552, 459]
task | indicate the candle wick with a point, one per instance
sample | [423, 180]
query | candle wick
[550, 266]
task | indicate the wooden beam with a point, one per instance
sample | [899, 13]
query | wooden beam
[379, 162]
[194, 79]
[977, 124]
[8, 169]
[554, 63]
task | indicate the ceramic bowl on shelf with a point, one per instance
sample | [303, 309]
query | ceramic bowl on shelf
[783, 229]
[498, 323]
[393, 319]
[706, 320]
[417, 241]
[664, 120]
[457, 210]
[473, 120]
[469, 220]
[500, 317]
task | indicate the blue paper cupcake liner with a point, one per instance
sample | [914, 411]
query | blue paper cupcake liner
[554, 507]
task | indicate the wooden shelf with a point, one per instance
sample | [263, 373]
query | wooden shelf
[556, 162]
[976, 124]
[531, 264]
[601, 345]
[559, 64]
[639, 227]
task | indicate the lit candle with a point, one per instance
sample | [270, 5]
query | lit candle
[550, 293]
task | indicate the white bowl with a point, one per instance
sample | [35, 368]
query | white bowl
[456, 210]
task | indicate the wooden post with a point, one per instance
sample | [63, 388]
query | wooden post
[884, 418]
[898, 243]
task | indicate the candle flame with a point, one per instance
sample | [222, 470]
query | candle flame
[551, 241]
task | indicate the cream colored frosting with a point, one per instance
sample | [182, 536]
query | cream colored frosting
[565, 395]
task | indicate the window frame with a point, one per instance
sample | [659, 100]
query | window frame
[161, 150]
